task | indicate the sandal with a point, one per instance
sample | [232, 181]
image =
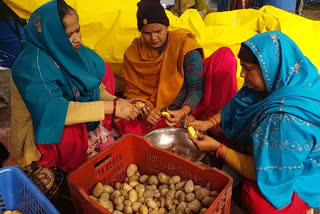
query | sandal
[48, 180]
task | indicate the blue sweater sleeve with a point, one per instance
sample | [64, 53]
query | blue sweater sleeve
[192, 90]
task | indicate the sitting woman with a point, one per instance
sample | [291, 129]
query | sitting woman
[220, 85]
[164, 68]
[63, 93]
[276, 112]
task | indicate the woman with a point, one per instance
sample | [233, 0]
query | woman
[220, 85]
[63, 86]
[276, 112]
[164, 68]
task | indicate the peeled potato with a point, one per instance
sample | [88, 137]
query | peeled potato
[140, 105]
[166, 114]
[192, 132]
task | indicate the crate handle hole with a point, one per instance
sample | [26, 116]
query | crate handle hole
[1, 200]
[3, 209]
[2, 205]
[102, 160]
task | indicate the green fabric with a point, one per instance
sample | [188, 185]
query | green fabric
[49, 73]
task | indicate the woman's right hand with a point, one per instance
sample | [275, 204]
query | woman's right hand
[201, 125]
[126, 110]
[154, 116]
[188, 120]
[205, 143]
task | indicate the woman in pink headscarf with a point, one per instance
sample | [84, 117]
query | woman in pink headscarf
[220, 84]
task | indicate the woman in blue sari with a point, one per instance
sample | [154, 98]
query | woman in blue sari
[277, 113]
[63, 98]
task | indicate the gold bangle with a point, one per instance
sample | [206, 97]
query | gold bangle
[218, 150]
[185, 114]
[213, 124]
[214, 121]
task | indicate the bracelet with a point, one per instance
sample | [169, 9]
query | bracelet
[185, 113]
[213, 124]
[218, 150]
[214, 121]
[114, 106]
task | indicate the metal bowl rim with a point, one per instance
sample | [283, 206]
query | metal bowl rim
[165, 128]
[201, 153]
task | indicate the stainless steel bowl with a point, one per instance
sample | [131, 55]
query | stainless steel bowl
[175, 140]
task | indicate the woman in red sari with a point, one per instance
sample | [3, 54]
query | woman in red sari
[219, 87]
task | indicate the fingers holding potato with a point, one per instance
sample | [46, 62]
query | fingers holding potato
[192, 132]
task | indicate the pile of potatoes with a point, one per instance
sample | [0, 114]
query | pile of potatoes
[153, 194]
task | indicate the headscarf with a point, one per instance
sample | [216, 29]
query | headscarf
[292, 83]
[49, 73]
[247, 55]
[151, 11]
[220, 83]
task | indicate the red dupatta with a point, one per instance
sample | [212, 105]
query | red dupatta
[220, 82]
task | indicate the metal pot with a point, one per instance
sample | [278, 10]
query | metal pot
[175, 140]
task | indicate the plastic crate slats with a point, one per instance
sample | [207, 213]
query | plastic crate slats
[18, 192]
[150, 160]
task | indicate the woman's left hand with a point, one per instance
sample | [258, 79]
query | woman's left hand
[175, 117]
[205, 143]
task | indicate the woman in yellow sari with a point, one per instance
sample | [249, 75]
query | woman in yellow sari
[164, 68]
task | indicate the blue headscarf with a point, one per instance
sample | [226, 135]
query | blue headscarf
[292, 83]
[49, 73]
[286, 159]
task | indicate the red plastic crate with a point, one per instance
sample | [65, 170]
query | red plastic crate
[110, 167]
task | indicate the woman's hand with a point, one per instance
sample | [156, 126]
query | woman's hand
[137, 101]
[205, 143]
[154, 116]
[189, 120]
[201, 125]
[126, 110]
[175, 117]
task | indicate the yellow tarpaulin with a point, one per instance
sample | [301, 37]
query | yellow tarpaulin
[108, 27]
